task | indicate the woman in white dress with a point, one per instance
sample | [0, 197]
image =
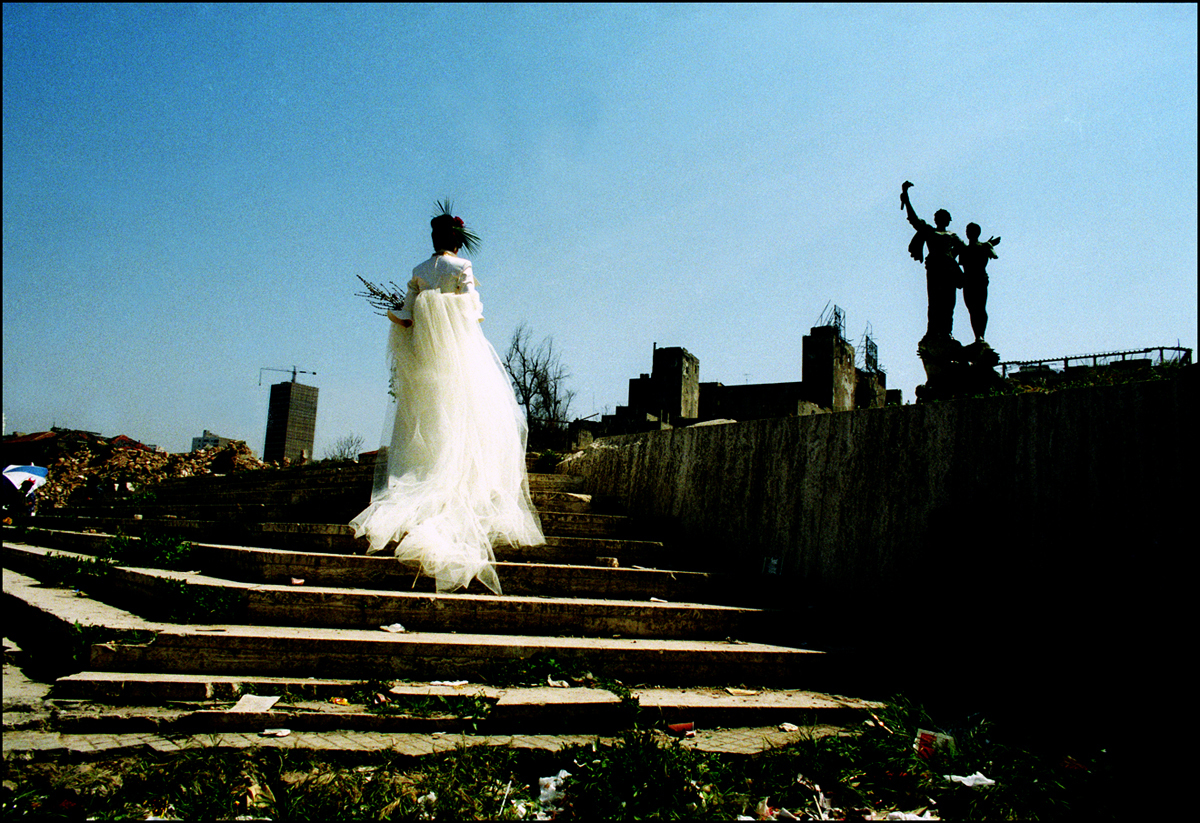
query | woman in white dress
[450, 479]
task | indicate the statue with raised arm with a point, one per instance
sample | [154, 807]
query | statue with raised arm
[951, 369]
[939, 248]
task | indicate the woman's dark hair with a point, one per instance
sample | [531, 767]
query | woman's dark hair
[443, 234]
[449, 232]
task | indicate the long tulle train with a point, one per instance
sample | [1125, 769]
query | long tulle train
[450, 478]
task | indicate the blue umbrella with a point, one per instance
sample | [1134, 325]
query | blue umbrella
[19, 474]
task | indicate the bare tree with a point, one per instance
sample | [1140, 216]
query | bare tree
[539, 381]
[345, 448]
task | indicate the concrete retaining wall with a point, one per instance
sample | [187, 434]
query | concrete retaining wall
[1011, 539]
[862, 499]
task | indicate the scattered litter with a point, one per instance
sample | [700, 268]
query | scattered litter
[339, 701]
[455, 683]
[788, 727]
[824, 806]
[658, 600]
[877, 722]
[736, 642]
[504, 799]
[683, 729]
[382, 698]
[767, 812]
[297, 581]
[395, 628]
[741, 692]
[274, 732]
[254, 703]
[557, 684]
[928, 742]
[910, 816]
[550, 788]
[611, 562]
[427, 799]
[973, 781]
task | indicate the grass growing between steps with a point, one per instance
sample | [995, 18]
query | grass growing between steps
[641, 775]
[376, 697]
[180, 602]
[152, 551]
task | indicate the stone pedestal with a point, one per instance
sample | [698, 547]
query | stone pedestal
[954, 370]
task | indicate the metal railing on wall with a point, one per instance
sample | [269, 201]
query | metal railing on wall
[1180, 355]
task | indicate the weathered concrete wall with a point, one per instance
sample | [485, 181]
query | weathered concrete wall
[855, 499]
[1008, 541]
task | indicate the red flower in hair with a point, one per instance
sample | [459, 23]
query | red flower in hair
[458, 221]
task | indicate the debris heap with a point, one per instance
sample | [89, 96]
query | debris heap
[97, 471]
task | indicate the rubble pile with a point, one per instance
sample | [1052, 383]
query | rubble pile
[98, 472]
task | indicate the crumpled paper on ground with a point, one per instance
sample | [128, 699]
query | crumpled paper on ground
[973, 781]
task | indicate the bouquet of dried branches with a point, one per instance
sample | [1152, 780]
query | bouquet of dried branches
[380, 297]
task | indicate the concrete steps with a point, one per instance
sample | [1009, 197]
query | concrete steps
[284, 651]
[126, 702]
[301, 494]
[154, 593]
[123, 641]
[595, 599]
[66, 532]
[255, 518]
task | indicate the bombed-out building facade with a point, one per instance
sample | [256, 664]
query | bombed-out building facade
[672, 395]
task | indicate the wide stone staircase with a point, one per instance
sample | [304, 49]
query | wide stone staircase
[601, 627]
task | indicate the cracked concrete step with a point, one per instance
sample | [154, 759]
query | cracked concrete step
[89, 535]
[64, 621]
[335, 494]
[533, 579]
[549, 579]
[333, 504]
[246, 516]
[356, 476]
[153, 592]
[553, 500]
[117, 702]
[101, 706]
[418, 655]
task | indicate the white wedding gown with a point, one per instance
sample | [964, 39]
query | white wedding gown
[450, 479]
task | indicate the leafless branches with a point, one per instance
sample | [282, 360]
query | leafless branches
[345, 448]
[380, 298]
[539, 380]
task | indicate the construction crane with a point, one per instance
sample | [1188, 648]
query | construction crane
[293, 370]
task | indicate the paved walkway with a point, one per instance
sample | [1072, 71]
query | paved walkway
[27, 718]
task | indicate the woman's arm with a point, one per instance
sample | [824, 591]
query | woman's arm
[466, 285]
[404, 316]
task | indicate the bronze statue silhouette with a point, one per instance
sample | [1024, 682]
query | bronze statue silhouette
[974, 258]
[942, 273]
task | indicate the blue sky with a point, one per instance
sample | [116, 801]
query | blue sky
[189, 190]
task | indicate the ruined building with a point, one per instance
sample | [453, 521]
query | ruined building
[672, 394]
